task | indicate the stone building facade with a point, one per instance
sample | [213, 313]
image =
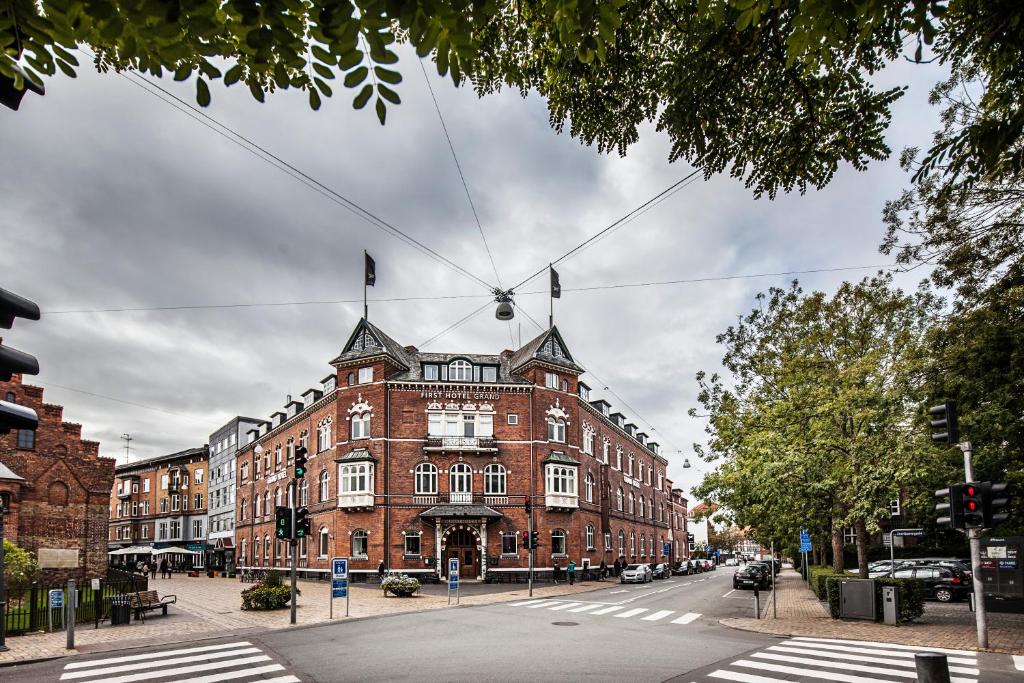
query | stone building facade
[161, 502]
[59, 489]
[222, 493]
[416, 458]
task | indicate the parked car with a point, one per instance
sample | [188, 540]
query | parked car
[763, 568]
[636, 573]
[951, 563]
[732, 562]
[681, 568]
[751, 576]
[661, 571]
[708, 565]
[942, 583]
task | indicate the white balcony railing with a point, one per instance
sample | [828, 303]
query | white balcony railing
[424, 500]
[355, 500]
[561, 501]
[460, 497]
[495, 500]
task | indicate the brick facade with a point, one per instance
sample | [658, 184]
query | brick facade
[59, 512]
[466, 426]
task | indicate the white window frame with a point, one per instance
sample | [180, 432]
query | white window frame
[511, 535]
[419, 545]
[460, 478]
[460, 370]
[550, 380]
[590, 537]
[513, 418]
[324, 483]
[364, 538]
[556, 429]
[365, 375]
[894, 507]
[495, 480]
[356, 478]
[558, 534]
[619, 500]
[361, 426]
[561, 480]
[426, 478]
[323, 546]
[589, 487]
[488, 373]
[622, 543]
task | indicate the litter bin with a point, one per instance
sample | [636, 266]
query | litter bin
[120, 610]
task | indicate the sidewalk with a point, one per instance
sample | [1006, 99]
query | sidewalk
[801, 614]
[211, 608]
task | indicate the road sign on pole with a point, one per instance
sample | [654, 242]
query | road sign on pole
[339, 582]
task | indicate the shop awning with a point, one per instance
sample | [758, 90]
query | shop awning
[132, 550]
[175, 550]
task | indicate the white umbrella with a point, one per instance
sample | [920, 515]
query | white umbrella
[176, 551]
[133, 550]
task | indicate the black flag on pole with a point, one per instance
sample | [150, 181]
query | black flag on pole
[371, 270]
[556, 287]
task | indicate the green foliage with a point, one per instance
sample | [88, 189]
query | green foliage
[779, 92]
[911, 596]
[273, 578]
[401, 586]
[20, 568]
[265, 596]
[818, 576]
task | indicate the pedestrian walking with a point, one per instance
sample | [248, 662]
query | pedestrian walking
[572, 572]
[380, 572]
[616, 566]
[151, 565]
[604, 569]
[555, 572]
[164, 569]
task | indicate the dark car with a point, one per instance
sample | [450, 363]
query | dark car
[661, 571]
[763, 568]
[751, 577]
[951, 563]
[941, 583]
[681, 568]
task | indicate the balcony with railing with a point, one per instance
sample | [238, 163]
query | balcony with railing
[477, 444]
[350, 500]
[460, 497]
[561, 501]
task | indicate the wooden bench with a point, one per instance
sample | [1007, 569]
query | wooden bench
[146, 601]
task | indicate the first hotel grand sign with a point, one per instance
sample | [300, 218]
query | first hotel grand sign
[460, 395]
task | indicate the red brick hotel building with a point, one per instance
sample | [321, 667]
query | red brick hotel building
[418, 457]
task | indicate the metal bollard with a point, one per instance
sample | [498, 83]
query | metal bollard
[932, 667]
[70, 602]
[757, 604]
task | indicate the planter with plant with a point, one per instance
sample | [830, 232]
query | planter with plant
[401, 586]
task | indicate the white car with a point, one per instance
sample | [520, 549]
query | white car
[732, 562]
[636, 573]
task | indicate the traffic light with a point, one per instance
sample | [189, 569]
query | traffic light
[534, 540]
[945, 427]
[283, 522]
[12, 415]
[954, 507]
[301, 458]
[972, 505]
[302, 522]
[529, 505]
[991, 505]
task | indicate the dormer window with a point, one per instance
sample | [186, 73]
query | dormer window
[430, 373]
[329, 384]
[489, 373]
[460, 371]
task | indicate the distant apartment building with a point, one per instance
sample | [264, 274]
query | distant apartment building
[678, 528]
[221, 511]
[160, 503]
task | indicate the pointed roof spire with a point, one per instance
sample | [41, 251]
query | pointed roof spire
[368, 340]
[548, 347]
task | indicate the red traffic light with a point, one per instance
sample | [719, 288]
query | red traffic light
[971, 505]
[969, 490]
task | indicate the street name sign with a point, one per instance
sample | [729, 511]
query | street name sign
[56, 599]
[908, 532]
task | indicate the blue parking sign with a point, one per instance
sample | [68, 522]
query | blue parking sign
[339, 593]
[339, 568]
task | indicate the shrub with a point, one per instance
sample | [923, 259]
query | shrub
[818, 576]
[20, 568]
[910, 597]
[401, 586]
[264, 596]
[273, 578]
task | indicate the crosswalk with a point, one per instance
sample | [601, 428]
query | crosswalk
[845, 661]
[241, 662]
[600, 609]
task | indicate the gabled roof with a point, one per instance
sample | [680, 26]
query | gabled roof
[367, 341]
[7, 474]
[418, 358]
[548, 347]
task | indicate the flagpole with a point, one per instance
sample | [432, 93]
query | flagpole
[551, 299]
[366, 309]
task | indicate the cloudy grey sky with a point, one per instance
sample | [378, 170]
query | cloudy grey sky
[113, 199]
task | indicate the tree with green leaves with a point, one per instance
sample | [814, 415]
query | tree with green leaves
[778, 92]
[817, 424]
[20, 568]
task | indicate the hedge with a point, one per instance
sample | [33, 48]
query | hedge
[817, 577]
[911, 594]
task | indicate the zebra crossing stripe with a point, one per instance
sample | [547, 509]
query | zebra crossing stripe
[846, 666]
[524, 603]
[888, 646]
[585, 608]
[608, 610]
[565, 606]
[804, 671]
[631, 613]
[195, 668]
[281, 679]
[864, 658]
[136, 666]
[155, 655]
[543, 603]
[875, 651]
[242, 673]
[743, 678]
[687, 618]
[658, 615]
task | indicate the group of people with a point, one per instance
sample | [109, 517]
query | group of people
[150, 566]
[603, 571]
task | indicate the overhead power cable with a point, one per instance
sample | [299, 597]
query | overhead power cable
[276, 161]
[451, 327]
[204, 418]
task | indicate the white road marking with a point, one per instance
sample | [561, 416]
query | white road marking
[1018, 662]
[863, 658]
[565, 606]
[687, 618]
[527, 602]
[803, 671]
[156, 655]
[544, 603]
[242, 673]
[658, 615]
[621, 590]
[743, 678]
[195, 668]
[847, 666]
[608, 610]
[282, 679]
[729, 593]
[586, 608]
[138, 666]
[889, 646]
[631, 613]
[877, 651]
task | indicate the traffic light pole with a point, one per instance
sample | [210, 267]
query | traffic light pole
[293, 543]
[974, 539]
[529, 538]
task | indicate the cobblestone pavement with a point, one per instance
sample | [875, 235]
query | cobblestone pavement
[800, 613]
[208, 608]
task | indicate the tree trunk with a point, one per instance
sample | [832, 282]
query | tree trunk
[862, 548]
[837, 549]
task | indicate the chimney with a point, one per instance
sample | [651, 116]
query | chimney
[411, 349]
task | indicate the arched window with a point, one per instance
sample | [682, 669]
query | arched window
[643, 545]
[494, 480]
[426, 479]
[256, 506]
[266, 550]
[590, 487]
[277, 497]
[351, 379]
[304, 492]
[641, 510]
[632, 543]
[356, 478]
[323, 547]
[622, 543]
[324, 486]
[558, 541]
[266, 502]
[632, 503]
[57, 493]
[561, 480]
[630, 470]
[323, 435]
[618, 499]
[556, 430]
[460, 371]
[241, 552]
[590, 537]
[243, 509]
[256, 546]
[460, 478]
[361, 426]
[359, 544]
